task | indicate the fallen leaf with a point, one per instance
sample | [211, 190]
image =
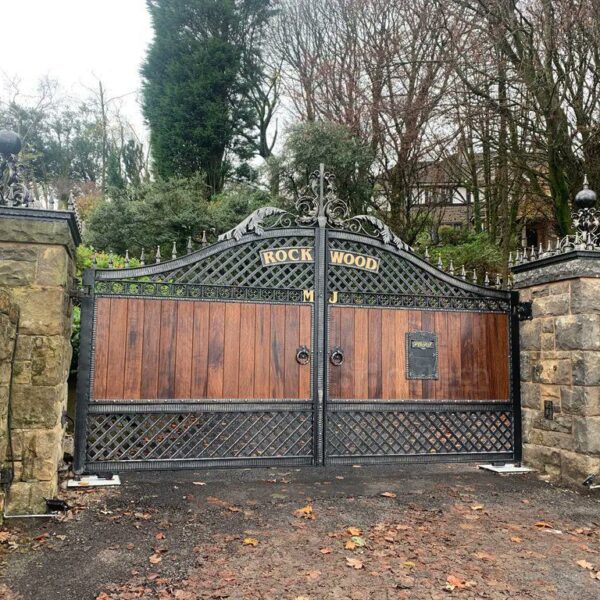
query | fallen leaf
[543, 524]
[409, 564]
[455, 582]
[584, 564]
[155, 559]
[250, 541]
[595, 575]
[339, 477]
[477, 507]
[198, 483]
[516, 539]
[313, 574]
[142, 516]
[130, 546]
[354, 530]
[4, 536]
[350, 545]
[160, 536]
[355, 563]
[358, 541]
[325, 550]
[305, 512]
[62, 538]
[234, 509]
[301, 598]
[388, 494]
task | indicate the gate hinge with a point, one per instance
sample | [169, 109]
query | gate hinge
[85, 291]
[525, 311]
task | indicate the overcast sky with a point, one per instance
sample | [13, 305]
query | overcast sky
[77, 42]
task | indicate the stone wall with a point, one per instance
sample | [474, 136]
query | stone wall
[37, 264]
[9, 317]
[560, 364]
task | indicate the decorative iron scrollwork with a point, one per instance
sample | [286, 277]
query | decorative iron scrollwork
[317, 205]
[258, 221]
[12, 190]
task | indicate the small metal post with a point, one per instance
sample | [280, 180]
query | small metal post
[143, 257]
[174, 251]
[189, 245]
[204, 242]
[127, 259]
[157, 254]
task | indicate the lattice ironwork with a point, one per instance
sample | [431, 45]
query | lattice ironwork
[237, 266]
[380, 432]
[131, 436]
[401, 283]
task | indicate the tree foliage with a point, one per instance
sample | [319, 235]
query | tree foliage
[203, 61]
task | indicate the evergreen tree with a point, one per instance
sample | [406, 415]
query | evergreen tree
[203, 60]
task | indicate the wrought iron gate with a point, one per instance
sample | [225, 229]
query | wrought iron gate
[296, 339]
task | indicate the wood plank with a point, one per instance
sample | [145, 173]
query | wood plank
[262, 351]
[388, 356]
[401, 384]
[334, 338]
[498, 356]
[277, 347]
[441, 327]
[231, 352]
[454, 344]
[292, 341]
[247, 350]
[304, 382]
[184, 350]
[361, 347]
[375, 376]
[132, 387]
[167, 349]
[415, 386]
[101, 341]
[216, 343]
[466, 357]
[200, 340]
[347, 342]
[151, 349]
[115, 378]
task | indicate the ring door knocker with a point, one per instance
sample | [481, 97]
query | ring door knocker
[336, 357]
[302, 355]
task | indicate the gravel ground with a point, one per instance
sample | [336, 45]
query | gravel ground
[382, 532]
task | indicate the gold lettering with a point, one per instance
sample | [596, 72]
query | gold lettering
[372, 264]
[306, 255]
[309, 296]
[281, 255]
[360, 261]
[333, 298]
[268, 258]
[337, 257]
[293, 253]
[349, 259]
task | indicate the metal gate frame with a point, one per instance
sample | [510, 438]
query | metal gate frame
[321, 216]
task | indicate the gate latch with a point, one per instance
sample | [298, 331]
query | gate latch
[524, 311]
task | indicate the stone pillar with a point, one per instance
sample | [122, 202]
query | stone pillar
[560, 349]
[37, 252]
[9, 318]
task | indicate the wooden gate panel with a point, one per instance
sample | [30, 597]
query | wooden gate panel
[150, 349]
[473, 357]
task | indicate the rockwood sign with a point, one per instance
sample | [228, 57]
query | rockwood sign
[278, 256]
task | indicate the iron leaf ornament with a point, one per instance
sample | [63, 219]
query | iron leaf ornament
[317, 205]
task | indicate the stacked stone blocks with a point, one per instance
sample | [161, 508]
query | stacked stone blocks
[37, 264]
[560, 363]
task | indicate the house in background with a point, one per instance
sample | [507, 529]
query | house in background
[445, 192]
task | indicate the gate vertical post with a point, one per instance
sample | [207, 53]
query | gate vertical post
[515, 373]
[84, 370]
[320, 321]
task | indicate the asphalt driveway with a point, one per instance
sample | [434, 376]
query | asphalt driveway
[360, 533]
